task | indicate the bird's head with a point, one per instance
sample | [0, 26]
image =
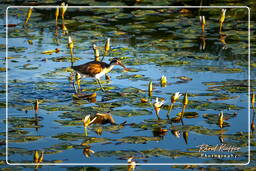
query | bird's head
[117, 61]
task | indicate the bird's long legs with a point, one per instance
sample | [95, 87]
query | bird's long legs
[98, 81]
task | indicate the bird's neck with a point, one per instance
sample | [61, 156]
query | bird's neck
[109, 68]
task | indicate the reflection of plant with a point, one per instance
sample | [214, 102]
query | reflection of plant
[38, 159]
[253, 100]
[36, 106]
[64, 8]
[253, 103]
[131, 164]
[185, 136]
[87, 152]
[57, 15]
[176, 133]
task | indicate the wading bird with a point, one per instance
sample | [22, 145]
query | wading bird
[96, 69]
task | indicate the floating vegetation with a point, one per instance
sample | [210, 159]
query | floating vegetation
[49, 52]
[51, 107]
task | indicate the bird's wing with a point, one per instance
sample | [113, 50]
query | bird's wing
[94, 69]
[91, 68]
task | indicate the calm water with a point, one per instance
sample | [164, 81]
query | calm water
[152, 43]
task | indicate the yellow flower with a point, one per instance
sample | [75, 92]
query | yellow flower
[87, 120]
[163, 81]
[176, 133]
[157, 106]
[175, 97]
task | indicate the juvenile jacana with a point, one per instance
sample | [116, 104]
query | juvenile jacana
[97, 69]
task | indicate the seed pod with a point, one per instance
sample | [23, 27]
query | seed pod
[57, 14]
[222, 16]
[150, 88]
[163, 81]
[70, 43]
[107, 45]
[185, 99]
[41, 157]
[202, 21]
[220, 120]
[185, 136]
[96, 52]
[28, 15]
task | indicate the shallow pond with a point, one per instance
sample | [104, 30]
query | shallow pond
[211, 67]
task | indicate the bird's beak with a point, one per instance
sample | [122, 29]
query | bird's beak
[122, 65]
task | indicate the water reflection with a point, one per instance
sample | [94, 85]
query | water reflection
[69, 112]
[202, 43]
[87, 151]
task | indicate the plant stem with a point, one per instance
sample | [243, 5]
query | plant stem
[169, 111]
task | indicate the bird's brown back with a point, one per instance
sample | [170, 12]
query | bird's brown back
[91, 68]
